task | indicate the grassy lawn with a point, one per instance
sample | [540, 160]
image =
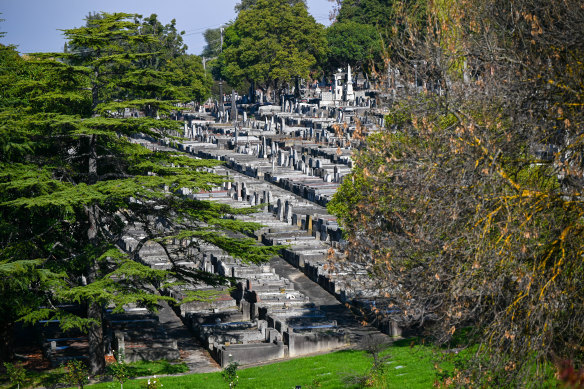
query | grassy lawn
[407, 365]
[138, 369]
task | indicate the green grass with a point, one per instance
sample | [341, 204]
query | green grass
[52, 377]
[142, 368]
[407, 367]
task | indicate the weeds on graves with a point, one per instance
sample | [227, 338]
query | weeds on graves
[16, 374]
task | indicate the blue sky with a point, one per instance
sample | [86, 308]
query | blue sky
[33, 25]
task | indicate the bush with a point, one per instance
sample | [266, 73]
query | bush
[76, 373]
[16, 374]
[120, 371]
[230, 374]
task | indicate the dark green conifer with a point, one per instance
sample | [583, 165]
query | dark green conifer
[72, 182]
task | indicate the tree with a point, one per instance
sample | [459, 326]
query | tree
[467, 207]
[352, 43]
[213, 43]
[272, 43]
[386, 16]
[168, 44]
[379, 13]
[16, 374]
[72, 182]
[29, 88]
[247, 4]
[156, 51]
[189, 80]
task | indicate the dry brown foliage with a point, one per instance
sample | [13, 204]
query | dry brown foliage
[469, 206]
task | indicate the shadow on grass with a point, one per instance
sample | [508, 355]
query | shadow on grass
[56, 378]
[142, 369]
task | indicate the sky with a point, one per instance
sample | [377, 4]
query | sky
[33, 25]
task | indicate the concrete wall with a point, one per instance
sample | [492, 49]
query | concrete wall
[313, 342]
[246, 354]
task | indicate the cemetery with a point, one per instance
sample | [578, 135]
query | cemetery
[289, 161]
[408, 176]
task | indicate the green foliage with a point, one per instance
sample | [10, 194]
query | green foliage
[162, 367]
[213, 43]
[352, 43]
[392, 20]
[246, 249]
[16, 374]
[247, 4]
[229, 374]
[119, 370]
[398, 117]
[76, 373]
[72, 180]
[372, 12]
[136, 60]
[187, 76]
[265, 44]
[168, 44]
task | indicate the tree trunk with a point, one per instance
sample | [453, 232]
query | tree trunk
[94, 309]
[96, 346]
[252, 94]
[92, 159]
[278, 93]
[95, 92]
[6, 342]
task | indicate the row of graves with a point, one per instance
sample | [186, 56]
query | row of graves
[293, 218]
[307, 152]
[263, 318]
[134, 333]
[305, 149]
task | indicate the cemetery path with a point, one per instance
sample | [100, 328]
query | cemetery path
[192, 352]
[359, 335]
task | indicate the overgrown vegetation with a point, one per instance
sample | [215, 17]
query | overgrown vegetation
[468, 206]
